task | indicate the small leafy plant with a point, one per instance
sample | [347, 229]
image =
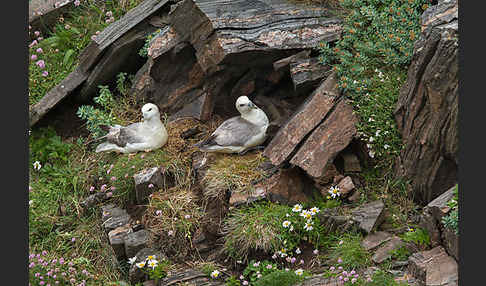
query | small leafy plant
[418, 236]
[155, 269]
[451, 220]
[348, 252]
[402, 253]
[281, 278]
[97, 117]
[47, 147]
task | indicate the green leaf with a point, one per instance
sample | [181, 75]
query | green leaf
[67, 56]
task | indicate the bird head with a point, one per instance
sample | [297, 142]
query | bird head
[149, 111]
[244, 105]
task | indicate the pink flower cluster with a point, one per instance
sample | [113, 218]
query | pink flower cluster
[34, 57]
[46, 271]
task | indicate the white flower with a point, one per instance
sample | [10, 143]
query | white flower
[141, 264]
[377, 132]
[242, 277]
[371, 139]
[371, 120]
[372, 154]
[245, 282]
[152, 263]
[386, 146]
[314, 210]
[334, 191]
[187, 216]
[315, 251]
[291, 228]
[298, 251]
[308, 227]
[274, 256]
[259, 276]
[151, 257]
[287, 215]
[256, 264]
[215, 274]
[37, 165]
[158, 212]
[306, 214]
[297, 208]
[287, 269]
[30, 202]
[299, 272]
[369, 146]
[132, 260]
[286, 223]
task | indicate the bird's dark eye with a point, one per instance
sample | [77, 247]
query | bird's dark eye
[242, 104]
[149, 109]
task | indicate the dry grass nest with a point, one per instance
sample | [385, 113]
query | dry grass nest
[236, 173]
[173, 216]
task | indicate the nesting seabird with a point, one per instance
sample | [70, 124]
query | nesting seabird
[240, 133]
[147, 135]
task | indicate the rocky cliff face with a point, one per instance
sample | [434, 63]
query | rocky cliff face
[427, 108]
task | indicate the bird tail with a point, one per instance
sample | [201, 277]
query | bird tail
[201, 145]
[106, 146]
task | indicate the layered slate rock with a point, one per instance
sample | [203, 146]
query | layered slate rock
[427, 108]
[383, 252]
[307, 74]
[303, 121]
[375, 239]
[369, 216]
[434, 268]
[327, 140]
[345, 186]
[234, 32]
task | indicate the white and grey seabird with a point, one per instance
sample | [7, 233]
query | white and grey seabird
[240, 133]
[147, 135]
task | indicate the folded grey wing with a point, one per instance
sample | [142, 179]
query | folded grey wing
[124, 135]
[235, 131]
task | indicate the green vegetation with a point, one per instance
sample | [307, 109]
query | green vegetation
[280, 278]
[110, 112]
[451, 220]
[54, 55]
[401, 253]
[58, 225]
[371, 61]
[418, 236]
[348, 252]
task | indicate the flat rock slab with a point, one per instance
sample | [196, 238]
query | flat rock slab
[383, 252]
[333, 221]
[327, 140]
[375, 239]
[434, 267]
[369, 215]
[303, 121]
[136, 241]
